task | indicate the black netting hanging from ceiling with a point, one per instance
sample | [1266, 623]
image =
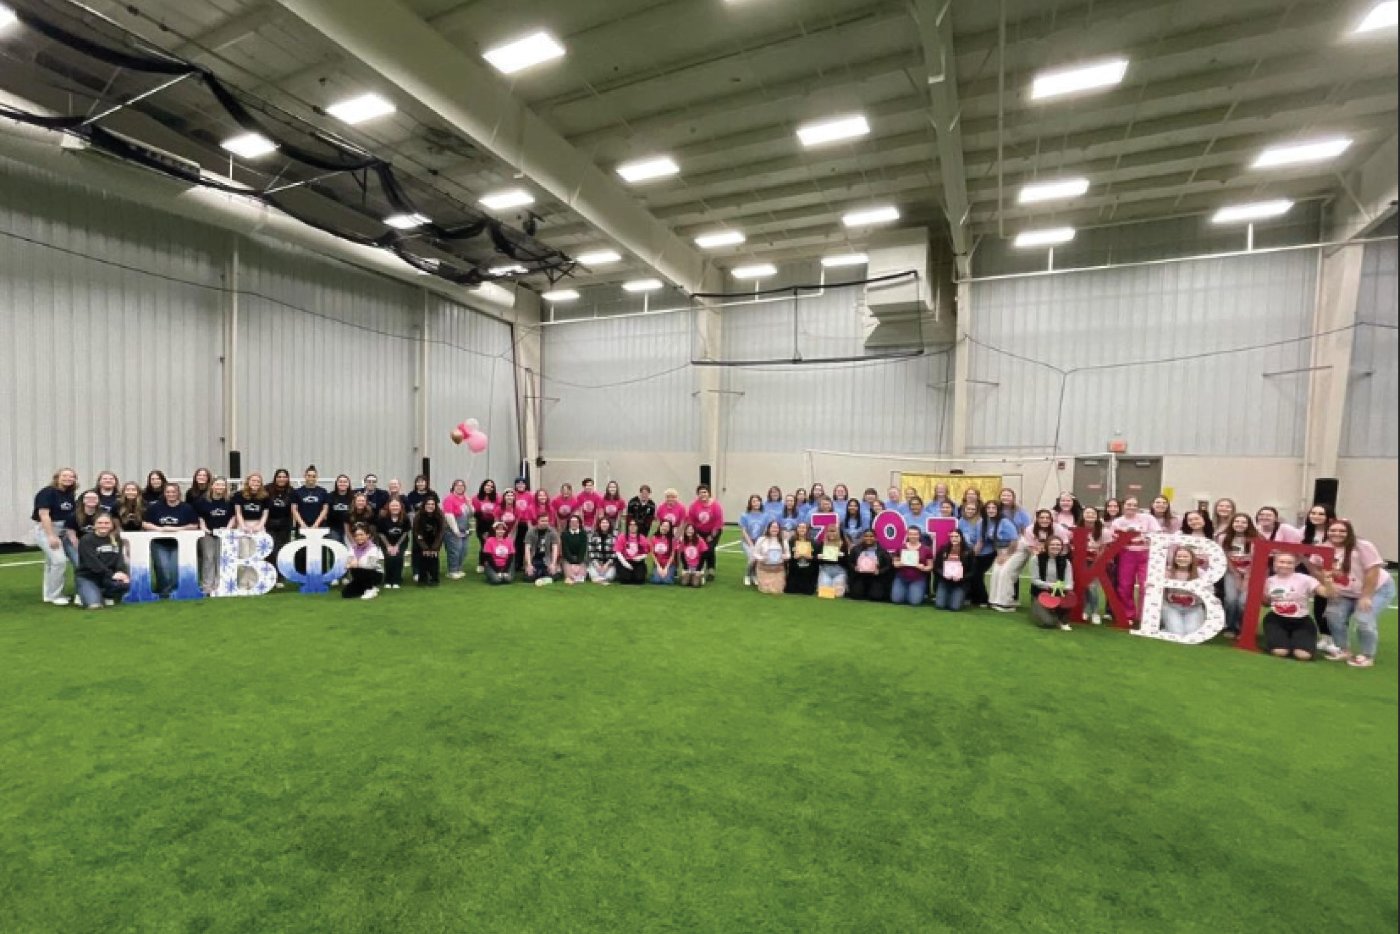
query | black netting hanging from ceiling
[879, 318]
[95, 66]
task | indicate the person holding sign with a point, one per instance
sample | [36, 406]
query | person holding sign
[1360, 589]
[831, 564]
[802, 563]
[771, 555]
[871, 570]
[950, 569]
[171, 514]
[912, 566]
[1289, 630]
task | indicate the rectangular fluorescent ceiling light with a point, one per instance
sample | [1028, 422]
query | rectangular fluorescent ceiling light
[1053, 191]
[872, 216]
[561, 295]
[1048, 237]
[641, 285]
[599, 257]
[845, 259]
[512, 270]
[7, 16]
[405, 221]
[719, 238]
[522, 53]
[501, 200]
[759, 271]
[829, 131]
[1318, 150]
[1254, 211]
[645, 170]
[1078, 78]
[249, 145]
[1382, 16]
[359, 109]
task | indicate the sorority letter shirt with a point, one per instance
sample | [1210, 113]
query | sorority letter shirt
[1290, 596]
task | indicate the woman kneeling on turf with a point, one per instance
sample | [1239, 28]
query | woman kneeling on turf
[831, 564]
[692, 548]
[1051, 574]
[871, 570]
[101, 577]
[363, 566]
[500, 555]
[1288, 626]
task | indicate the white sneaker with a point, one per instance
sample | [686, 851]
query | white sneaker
[480, 569]
[60, 601]
[1096, 619]
[370, 594]
[281, 585]
[109, 603]
[1325, 643]
[748, 581]
[543, 581]
[1066, 627]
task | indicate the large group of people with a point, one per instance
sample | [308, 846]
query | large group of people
[599, 537]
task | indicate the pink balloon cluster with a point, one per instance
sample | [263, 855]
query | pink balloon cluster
[470, 432]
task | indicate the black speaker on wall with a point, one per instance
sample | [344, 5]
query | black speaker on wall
[235, 464]
[705, 475]
[428, 468]
[1325, 491]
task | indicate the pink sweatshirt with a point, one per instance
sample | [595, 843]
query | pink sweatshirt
[707, 518]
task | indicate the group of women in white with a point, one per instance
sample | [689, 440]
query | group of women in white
[540, 536]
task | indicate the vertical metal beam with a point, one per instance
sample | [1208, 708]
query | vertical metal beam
[934, 18]
[962, 367]
[230, 370]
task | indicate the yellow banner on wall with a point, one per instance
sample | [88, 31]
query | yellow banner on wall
[957, 484]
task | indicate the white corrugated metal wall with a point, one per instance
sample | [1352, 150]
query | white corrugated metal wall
[115, 315]
[112, 316]
[888, 406]
[1172, 331]
[472, 361]
[1370, 429]
[326, 366]
[619, 384]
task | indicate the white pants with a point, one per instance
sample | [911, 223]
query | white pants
[55, 564]
[1001, 591]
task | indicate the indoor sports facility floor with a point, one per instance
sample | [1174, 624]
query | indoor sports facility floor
[639, 759]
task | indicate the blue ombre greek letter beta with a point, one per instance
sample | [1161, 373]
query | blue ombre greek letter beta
[139, 564]
[242, 570]
[315, 544]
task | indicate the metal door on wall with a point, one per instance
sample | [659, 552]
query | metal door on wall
[1091, 480]
[1138, 476]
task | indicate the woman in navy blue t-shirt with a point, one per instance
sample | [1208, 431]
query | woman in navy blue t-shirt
[52, 507]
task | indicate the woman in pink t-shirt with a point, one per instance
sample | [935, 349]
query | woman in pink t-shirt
[690, 555]
[1099, 536]
[1132, 560]
[457, 510]
[708, 518]
[485, 506]
[1360, 589]
[1289, 631]
[562, 507]
[500, 555]
[671, 508]
[1161, 510]
[1237, 541]
[663, 553]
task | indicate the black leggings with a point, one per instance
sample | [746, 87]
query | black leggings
[976, 590]
[361, 579]
[872, 587]
[708, 558]
[393, 568]
[1291, 633]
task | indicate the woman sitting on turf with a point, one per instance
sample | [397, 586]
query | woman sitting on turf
[101, 575]
[870, 570]
[663, 554]
[771, 555]
[951, 567]
[1051, 574]
[602, 566]
[802, 563]
[831, 563]
[499, 548]
[630, 554]
[363, 566]
[574, 551]
[1289, 630]
[691, 549]
[912, 566]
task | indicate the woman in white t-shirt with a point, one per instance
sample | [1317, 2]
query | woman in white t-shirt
[1237, 541]
[1182, 611]
[1289, 631]
[770, 553]
[1360, 589]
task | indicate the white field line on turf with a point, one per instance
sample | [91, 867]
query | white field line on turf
[18, 564]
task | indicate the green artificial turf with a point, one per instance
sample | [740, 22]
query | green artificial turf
[583, 759]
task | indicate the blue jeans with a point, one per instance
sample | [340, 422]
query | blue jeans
[92, 593]
[1342, 611]
[669, 577]
[949, 596]
[165, 556]
[910, 592]
[456, 550]
[1235, 593]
